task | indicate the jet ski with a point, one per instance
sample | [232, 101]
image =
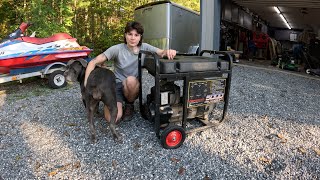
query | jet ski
[18, 51]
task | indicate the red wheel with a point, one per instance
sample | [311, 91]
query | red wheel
[172, 137]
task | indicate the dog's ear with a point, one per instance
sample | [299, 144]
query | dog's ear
[83, 62]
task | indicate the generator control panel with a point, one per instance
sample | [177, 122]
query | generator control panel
[203, 92]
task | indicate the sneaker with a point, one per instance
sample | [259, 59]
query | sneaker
[128, 112]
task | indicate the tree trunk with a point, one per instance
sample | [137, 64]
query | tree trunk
[60, 12]
[75, 23]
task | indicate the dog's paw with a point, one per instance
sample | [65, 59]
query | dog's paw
[118, 139]
[93, 139]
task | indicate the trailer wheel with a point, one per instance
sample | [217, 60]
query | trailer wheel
[172, 137]
[57, 80]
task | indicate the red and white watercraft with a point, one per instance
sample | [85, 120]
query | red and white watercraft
[18, 51]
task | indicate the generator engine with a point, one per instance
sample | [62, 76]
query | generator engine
[202, 97]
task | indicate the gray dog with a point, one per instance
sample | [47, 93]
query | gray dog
[100, 86]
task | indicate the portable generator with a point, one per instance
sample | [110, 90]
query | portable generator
[204, 83]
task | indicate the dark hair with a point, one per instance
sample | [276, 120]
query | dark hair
[133, 25]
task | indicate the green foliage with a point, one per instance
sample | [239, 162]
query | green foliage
[10, 15]
[50, 16]
[191, 4]
[97, 24]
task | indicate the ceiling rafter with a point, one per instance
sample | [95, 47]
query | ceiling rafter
[300, 14]
[287, 3]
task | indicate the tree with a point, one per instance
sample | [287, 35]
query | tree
[192, 4]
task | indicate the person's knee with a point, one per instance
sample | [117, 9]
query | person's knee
[131, 83]
[131, 86]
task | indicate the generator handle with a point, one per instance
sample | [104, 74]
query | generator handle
[157, 80]
[147, 52]
[227, 54]
[214, 52]
[155, 57]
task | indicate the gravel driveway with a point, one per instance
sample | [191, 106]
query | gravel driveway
[272, 132]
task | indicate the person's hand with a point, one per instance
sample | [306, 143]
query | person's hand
[170, 53]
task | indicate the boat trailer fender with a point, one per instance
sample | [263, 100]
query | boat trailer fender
[47, 69]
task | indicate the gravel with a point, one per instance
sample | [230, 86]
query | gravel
[272, 132]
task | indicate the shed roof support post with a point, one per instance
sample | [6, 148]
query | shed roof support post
[210, 13]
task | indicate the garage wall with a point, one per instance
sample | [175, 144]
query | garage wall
[243, 17]
[286, 35]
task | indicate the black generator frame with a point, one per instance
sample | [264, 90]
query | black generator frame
[186, 77]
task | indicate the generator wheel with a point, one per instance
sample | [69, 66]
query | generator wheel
[57, 80]
[172, 137]
[148, 112]
[145, 112]
[308, 71]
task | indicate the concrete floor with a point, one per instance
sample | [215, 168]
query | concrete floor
[266, 64]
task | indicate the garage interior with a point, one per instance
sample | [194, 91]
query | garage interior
[283, 34]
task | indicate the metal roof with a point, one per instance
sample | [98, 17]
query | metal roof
[300, 14]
